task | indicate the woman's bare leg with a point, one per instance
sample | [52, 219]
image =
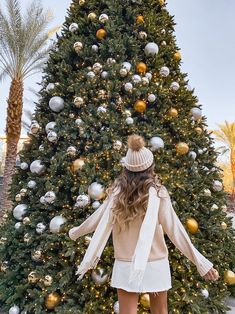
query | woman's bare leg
[158, 302]
[127, 302]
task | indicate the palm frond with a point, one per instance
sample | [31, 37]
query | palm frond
[226, 134]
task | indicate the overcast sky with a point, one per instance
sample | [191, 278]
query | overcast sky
[205, 33]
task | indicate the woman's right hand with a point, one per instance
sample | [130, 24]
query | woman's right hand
[212, 274]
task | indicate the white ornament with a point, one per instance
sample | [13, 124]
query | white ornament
[196, 113]
[14, 310]
[18, 225]
[111, 61]
[123, 72]
[101, 109]
[56, 104]
[73, 27]
[116, 307]
[56, 223]
[78, 101]
[127, 113]
[128, 87]
[50, 126]
[175, 86]
[82, 201]
[207, 192]
[127, 66]
[205, 168]
[52, 136]
[142, 35]
[103, 18]
[149, 76]
[129, 120]
[192, 155]
[156, 143]
[104, 75]
[117, 145]
[19, 211]
[123, 161]
[78, 46]
[42, 200]
[214, 207]
[217, 186]
[96, 205]
[145, 81]
[24, 166]
[95, 48]
[41, 148]
[97, 68]
[50, 86]
[200, 151]
[40, 228]
[79, 122]
[136, 79]
[205, 293]
[151, 98]
[50, 197]
[151, 49]
[224, 208]
[164, 71]
[96, 191]
[71, 150]
[91, 75]
[34, 128]
[31, 184]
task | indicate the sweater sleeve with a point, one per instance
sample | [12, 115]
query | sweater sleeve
[90, 224]
[179, 237]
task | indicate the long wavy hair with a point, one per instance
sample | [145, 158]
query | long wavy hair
[132, 199]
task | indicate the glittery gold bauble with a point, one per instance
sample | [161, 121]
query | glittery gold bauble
[140, 19]
[92, 16]
[192, 225]
[177, 56]
[224, 225]
[26, 220]
[77, 164]
[101, 33]
[141, 67]
[52, 300]
[161, 2]
[229, 277]
[199, 130]
[173, 112]
[145, 300]
[182, 148]
[32, 277]
[82, 2]
[140, 106]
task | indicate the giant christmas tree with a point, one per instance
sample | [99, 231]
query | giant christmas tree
[114, 71]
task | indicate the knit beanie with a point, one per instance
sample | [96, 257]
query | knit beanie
[138, 157]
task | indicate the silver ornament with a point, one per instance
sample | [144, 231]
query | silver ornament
[164, 71]
[56, 224]
[217, 186]
[99, 276]
[79, 122]
[151, 98]
[31, 184]
[41, 148]
[34, 128]
[50, 86]
[116, 307]
[96, 191]
[14, 310]
[149, 76]
[27, 238]
[36, 255]
[82, 201]
[78, 46]
[224, 208]
[123, 72]
[73, 27]
[156, 143]
[40, 228]
[42, 200]
[24, 166]
[91, 75]
[101, 109]
[175, 86]
[128, 87]
[103, 18]
[50, 126]
[71, 150]
[78, 102]
[104, 75]
[19, 211]
[129, 120]
[18, 225]
[151, 49]
[56, 104]
[117, 145]
[136, 79]
[111, 61]
[207, 192]
[52, 136]
[145, 81]
[50, 197]
[96, 205]
[127, 66]
[205, 293]
[48, 281]
[95, 48]
[196, 113]
[214, 207]
[192, 155]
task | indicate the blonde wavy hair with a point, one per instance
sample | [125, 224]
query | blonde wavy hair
[132, 197]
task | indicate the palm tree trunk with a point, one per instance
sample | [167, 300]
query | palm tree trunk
[13, 130]
[232, 158]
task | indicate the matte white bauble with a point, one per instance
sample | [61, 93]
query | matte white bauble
[56, 224]
[217, 185]
[19, 211]
[136, 79]
[82, 201]
[175, 86]
[156, 143]
[205, 293]
[151, 98]
[103, 18]
[149, 76]
[164, 71]
[96, 191]
[129, 120]
[128, 87]
[151, 49]
[50, 126]
[37, 167]
[31, 184]
[73, 27]
[196, 113]
[78, 46]
[56, 104]
[127, 66]
[50, 86]
[117, 145]
[24, 166]
[97, 68]
[104, 75]
[192, 155]
[50, 197]
[207, 192]
[95, 48]
[52, 136]
[96, 205]
[14, 310]
[91, 75]
[18, 225]
[40, 228]
[116, 307]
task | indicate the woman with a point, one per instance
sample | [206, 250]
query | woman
[138, 210]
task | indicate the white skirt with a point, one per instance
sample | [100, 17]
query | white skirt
[157, 276]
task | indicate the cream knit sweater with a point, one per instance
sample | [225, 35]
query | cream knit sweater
[125, 242]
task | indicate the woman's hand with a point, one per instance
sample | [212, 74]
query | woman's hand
[212, 274]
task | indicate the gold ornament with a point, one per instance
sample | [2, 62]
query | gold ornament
[224, 225]
[140, 106]
[199, 130]
[26, 220]
[192, 225]
[101, 33]
[229, 277]
[47, 280]
[177, 56]
[161, 2]
[77, 164]
[52, 300]
[32, 277]
[140, 19]
[182, 148]
[145, 300]
[173, 112]
[82, 2]
[92, 16]
[18, 197]
[141, 67]
[4, 266]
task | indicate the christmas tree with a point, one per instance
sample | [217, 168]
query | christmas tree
[114, 71]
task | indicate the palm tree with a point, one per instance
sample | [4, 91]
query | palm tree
[226, 135]
[23, 51]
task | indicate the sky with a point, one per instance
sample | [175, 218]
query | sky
[205, 33]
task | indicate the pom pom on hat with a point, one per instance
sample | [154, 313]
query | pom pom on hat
[135, 142]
